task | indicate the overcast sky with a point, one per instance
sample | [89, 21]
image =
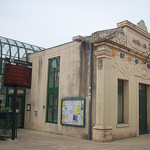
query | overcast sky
[47, 23]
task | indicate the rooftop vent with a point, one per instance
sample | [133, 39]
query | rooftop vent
[78, 38]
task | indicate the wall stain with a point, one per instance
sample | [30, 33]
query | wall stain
[100, 63]
[39, 69]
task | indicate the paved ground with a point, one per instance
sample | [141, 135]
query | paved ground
[35, 140]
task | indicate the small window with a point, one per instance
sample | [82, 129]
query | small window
[123, 101]
[120, 101]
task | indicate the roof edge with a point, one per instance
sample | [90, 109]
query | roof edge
[127, 23]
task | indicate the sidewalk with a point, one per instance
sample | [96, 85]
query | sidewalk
[35, 140]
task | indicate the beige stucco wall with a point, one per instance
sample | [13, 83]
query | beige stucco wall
[107, 69]
[110, 68]
[73, 83]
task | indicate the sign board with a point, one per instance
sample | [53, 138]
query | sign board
[73, 112]
[17, 76]
[20, 62]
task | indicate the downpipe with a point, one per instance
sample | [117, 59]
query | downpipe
[90, 95]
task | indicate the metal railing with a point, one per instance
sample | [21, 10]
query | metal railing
[6, 125]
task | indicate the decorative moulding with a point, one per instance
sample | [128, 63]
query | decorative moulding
[130, 68]
[116, 35]
[103, 51]
[133, 27]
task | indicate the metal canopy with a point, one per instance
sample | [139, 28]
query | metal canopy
[16, 49]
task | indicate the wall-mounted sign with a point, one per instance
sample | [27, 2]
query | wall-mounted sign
[73, 112]
[28, 107]
[17, 76]
[20, 62]
[137, 42]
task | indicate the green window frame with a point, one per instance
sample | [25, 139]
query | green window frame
[53, 90]
[0, 104]
[120, 101]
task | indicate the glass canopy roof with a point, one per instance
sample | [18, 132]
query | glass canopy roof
[15, 49]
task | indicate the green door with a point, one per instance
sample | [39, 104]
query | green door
[20, 104]
[142, 109]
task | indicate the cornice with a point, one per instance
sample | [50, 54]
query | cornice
[113, 45]
[132, 26]
[103, 51]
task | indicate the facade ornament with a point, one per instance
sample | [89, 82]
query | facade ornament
[116, 35]
[103, 51]
[124, 67]
[144, 73]
[129, 68]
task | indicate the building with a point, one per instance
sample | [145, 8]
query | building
[59, 99]
[120, 85]
[13, 49]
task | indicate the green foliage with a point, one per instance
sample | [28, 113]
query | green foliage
[7, 109]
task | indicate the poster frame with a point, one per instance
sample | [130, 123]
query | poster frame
[73, 99]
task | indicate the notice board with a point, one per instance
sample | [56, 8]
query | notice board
[73, 112]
